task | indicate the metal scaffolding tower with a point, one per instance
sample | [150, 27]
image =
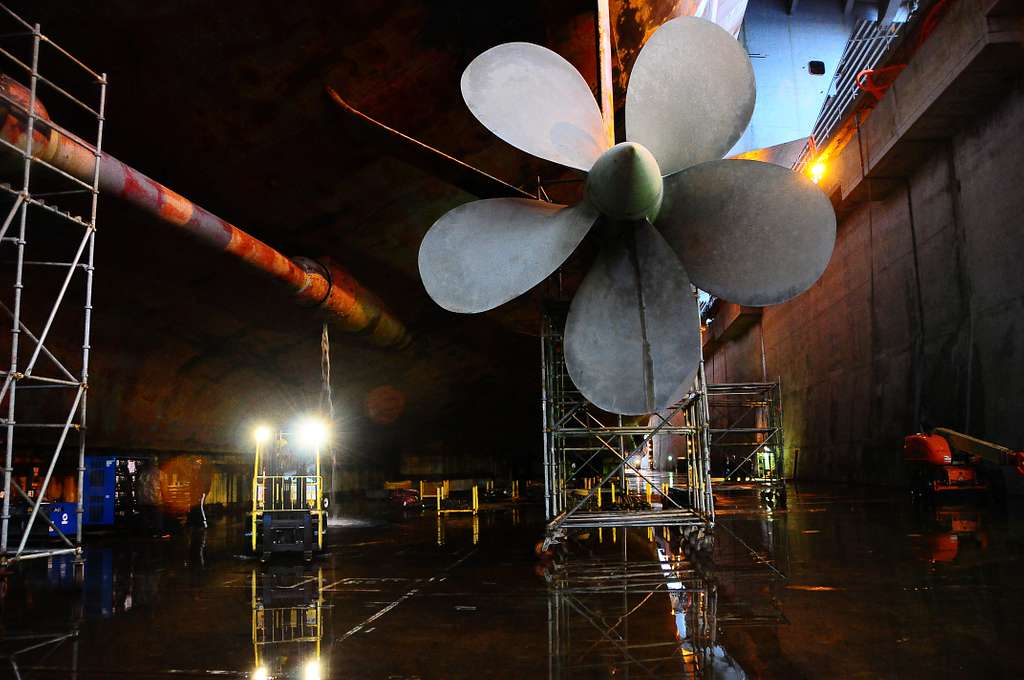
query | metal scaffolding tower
[598, 467]
[47, 248]
[746, 437]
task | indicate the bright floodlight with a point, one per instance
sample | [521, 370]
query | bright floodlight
[312, 670]
[260, 674]
[313, 432]
[817, 172]
[261, 434]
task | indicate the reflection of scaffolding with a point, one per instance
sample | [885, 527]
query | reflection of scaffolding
[607, 611]
[607, 591]
[41, 210]
[287, 622]
[37, 646]
[598, 467]
[746, 434]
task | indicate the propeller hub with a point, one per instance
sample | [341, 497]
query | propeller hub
[625, 183]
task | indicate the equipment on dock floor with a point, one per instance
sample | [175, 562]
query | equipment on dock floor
[288, 504]
[746, 439]
[946, 460]
[446, 504]
[99, 489]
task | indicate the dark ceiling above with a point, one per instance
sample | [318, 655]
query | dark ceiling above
[224, 103]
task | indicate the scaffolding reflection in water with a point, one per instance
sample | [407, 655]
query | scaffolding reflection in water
[599, 469]
[606, 614]
[613, 603]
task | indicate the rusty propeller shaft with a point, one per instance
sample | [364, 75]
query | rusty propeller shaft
[319, 284]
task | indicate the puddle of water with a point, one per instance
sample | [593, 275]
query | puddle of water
[913, 591]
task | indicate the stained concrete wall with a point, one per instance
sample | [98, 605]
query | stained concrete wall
[738, 360]
[918, 320]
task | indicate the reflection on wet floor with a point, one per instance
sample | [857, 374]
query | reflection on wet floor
[607, 607]
[842, 583]
[287, 621]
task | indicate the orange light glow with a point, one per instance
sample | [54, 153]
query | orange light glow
[817, 172]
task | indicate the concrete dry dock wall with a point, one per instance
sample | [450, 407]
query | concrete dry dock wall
[919, 318]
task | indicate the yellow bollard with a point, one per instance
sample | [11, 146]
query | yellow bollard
[648, 489]
[664, 490]
[613, 493]
[476, 500]
[438, 502]
[600, 535]
[598, 497]
[615, 535]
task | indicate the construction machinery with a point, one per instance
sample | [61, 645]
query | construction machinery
[289, 508]
[946, 461]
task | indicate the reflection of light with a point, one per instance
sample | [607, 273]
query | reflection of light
[260, 674]
[261, 434]
[313, 432]
[311, 671]
[665, 567]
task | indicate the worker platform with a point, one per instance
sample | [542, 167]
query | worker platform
[633, 518]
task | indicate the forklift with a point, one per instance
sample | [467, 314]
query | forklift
[289, 508]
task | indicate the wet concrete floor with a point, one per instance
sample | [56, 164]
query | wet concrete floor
[843, 583]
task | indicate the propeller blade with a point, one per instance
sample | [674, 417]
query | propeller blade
[690, 95]
[536, 101]
[749, 232]
[632, 337]
[484, 253]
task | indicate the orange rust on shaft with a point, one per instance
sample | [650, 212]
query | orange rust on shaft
[326, 286]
